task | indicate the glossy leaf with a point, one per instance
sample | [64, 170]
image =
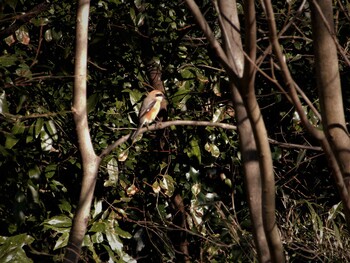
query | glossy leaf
[3, 103]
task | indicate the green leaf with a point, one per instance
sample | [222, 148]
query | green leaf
[98, 227]
[111, 254]
[11, 248]
[35, 194]
[62, 241]
[48, 35]
[22, 99]
[156, 187]
[50, 170]
[24, 71]
[51, 129]
[168, 184]
[98, 208]
[122, 233]
[194, 150]
[60, 223]
[219, 114]
[113, 173]
[65, 206]
[3, 103]
[213, 149]
[97, 238]
[46, 141]
[92, 102]
[140, 19]
[11, 141]
[22, 35]
[132, 15]
[114, 241]
[135, 97]
[18, 128]
[38, 127]
[8, 60]
[34, 172]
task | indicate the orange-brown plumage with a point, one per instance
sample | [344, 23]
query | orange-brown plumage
[149, 110]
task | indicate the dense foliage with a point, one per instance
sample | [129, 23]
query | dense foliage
[134, 216]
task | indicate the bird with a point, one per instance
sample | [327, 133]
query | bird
[149, 110]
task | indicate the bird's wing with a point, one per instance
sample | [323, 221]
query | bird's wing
[146, 109]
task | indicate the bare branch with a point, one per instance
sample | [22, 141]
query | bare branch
[286, 73]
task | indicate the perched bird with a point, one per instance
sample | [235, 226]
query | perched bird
[149, 110]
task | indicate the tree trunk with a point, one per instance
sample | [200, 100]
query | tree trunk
[90, 162]
[329, 88]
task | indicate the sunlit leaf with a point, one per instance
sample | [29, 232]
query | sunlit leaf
[38, 127]
[22, 35]
[219, 114]
[51, 129]
[113, 173]
[213, 149]
[48, 35]
[132, 190]
[196, 189]
[168, 184]
[114, 241]
[60, 223]
[97, 238]
[46, 140]
[3, 103]
[62, 241]
[156, 187]
[10, 40]
[123, 156]
[98, 208]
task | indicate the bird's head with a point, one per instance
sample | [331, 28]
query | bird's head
[156, 94]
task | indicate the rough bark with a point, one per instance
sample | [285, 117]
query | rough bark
[90, 162]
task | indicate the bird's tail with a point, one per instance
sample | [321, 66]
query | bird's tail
[136, 133]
